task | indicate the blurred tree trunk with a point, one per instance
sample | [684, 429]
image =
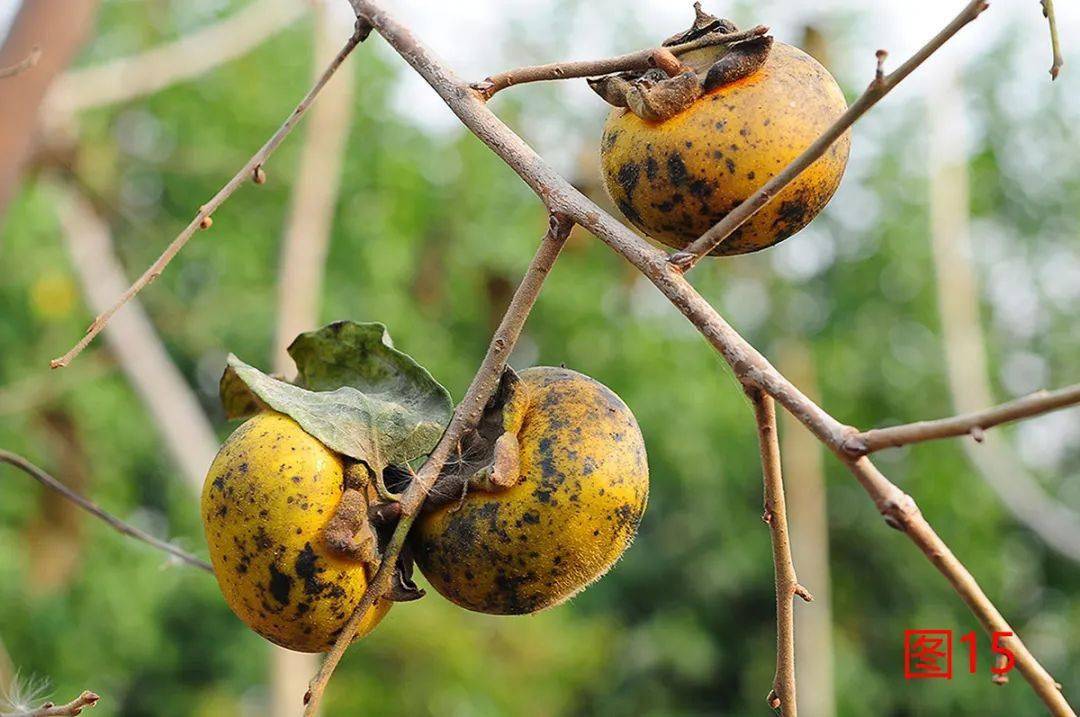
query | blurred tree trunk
[808, 521]
[54, 537]
[966, 362]
[303, 264]
[58, 28]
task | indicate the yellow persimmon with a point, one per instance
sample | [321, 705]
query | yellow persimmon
[573, 509]
[676, 178]
[265, 505]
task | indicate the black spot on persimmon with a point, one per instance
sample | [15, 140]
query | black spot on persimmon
[677, 172]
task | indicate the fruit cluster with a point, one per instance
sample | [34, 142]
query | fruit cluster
[549, 494]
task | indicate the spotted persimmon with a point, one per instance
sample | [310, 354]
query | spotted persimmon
[266, 504]
[573, 507]
[676, 176]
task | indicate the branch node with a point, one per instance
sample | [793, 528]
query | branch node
[879, 73]
[773, 700]
[977, 434]
[803, 593]
[258, 175]
[206, 222]
[682, 261]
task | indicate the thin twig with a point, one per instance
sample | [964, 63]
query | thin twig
[22, 65]
[76, 706]
[171, 403]
[881, 85]
[93, 509]
[466, 416]
[746, 362]
[782, 695]
[1055, 42]
[967, 424]
[203, 219]
[196, 53]
[666, 58]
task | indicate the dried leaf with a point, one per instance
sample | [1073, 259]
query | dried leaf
[399, 417]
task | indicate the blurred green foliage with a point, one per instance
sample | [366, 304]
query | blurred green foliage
[431, 233]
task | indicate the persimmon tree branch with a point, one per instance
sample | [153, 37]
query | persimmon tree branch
[666, 58]
[126, 78]
[252, 170]
[17, 461]
[75, 707]
[782, 694]
[966, 424]
[880, 86]
[748, 365]
[1055, 42]
[466, 416]
[22, 65]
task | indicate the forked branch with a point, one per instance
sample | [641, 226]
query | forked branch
[782, 695]
[880, 86]
[466, 416]
[95, 510]
[967, 424]
[748, 365]
[251, 170]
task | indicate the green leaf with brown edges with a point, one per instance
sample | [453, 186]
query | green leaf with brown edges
[362, 355]
[377, 430]
[355, 393]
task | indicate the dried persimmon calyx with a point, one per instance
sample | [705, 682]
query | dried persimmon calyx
[710, 57]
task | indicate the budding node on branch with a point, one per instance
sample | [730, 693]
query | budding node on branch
[206, 222]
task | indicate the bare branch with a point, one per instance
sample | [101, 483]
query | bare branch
[879, 87]
[177, 415]
[203, 219]
[967, 424]
[22, 65]
[782, 695]
[466, 416]
[126, 78]
[749, 366]
[901, 512]
[93, 509]
[75, 707]
[1055, 43]
[666, 58]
